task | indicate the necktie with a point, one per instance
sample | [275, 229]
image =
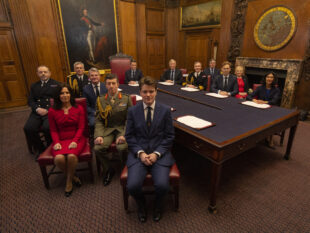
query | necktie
[172, 75]
[112, 100]
[212, 71]
[97, 91]
[43, 84]
[132, 74]
[225, 83]
[149, 118]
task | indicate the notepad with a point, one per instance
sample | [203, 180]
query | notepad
[166, 83]
[190, 89]
[255, 105]
[138, 98]
[216, 95]
[194, 122]
[134, 85]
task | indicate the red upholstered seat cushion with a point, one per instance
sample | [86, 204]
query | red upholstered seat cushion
[46, 157]
[174, 176]
[119, 67]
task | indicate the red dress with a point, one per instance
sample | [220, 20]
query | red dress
[67, 128]
[241, 88]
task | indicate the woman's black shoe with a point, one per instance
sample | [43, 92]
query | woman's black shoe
[68, 194]
[77, 182]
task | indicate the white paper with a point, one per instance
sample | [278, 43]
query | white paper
[190, 89]
[194, 122]
[185, 75]
[216, 95]
[166, 83]
[119, 89]
[253, 104]
[138, 98]
[134, 85]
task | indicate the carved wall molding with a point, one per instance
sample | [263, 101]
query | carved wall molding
[237, 30]
[292, 66]
[306, 70]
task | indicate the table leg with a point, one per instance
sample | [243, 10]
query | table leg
[290, 142]
[215, 181]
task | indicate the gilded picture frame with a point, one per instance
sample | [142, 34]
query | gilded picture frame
[90, 31]
[202, 15]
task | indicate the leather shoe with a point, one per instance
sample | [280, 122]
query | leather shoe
[77, 182]
[142, 215]
[156, 215]
[108, 177]
[68, 194]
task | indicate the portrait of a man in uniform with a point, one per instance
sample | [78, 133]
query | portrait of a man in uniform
[90, 31]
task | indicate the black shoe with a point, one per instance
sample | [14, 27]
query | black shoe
[68, 194]
[156, 215]
[77, 182]
[142, 214]
[108, 177]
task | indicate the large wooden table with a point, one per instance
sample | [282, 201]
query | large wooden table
[237, 127]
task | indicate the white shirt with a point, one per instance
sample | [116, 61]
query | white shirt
[94, 87]
[152, 110]
[145, 116]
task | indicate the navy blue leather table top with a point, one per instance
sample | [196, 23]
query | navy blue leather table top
[231, 120]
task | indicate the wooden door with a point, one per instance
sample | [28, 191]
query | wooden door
[12, 85]
[196, 50]
[156, 55]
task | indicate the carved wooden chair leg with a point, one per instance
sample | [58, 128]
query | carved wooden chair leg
[45, 177]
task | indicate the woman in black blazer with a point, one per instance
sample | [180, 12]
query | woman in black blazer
[243, 84]
[268, 93]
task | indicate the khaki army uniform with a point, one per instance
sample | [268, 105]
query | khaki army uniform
[111, 115]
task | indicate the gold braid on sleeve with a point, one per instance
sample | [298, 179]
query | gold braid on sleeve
[74, 85]
[104, 113]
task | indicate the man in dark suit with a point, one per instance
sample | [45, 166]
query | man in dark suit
[212, 70]
[39, 100]
[172, 75]
[149, 135]
[225, 84]
[133, 75]
[79, 80]
[91, 92]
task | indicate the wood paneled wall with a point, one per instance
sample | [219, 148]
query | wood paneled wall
[296, 48]
[12, 81]
[149, 31]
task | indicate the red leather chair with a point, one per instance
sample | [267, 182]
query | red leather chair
[46, 159]
[119, 63]
[183, 70]
[174, 178]
[112, 148]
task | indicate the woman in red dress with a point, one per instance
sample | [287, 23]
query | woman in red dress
[67, 122]
[242, 83]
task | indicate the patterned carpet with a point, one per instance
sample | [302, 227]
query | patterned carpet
[259, 192]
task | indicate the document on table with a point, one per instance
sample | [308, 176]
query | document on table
[138, 98]
[134, 85]
[190, 89]
[253, 104]
[216, 95]
[194, 122]
[166, 83]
